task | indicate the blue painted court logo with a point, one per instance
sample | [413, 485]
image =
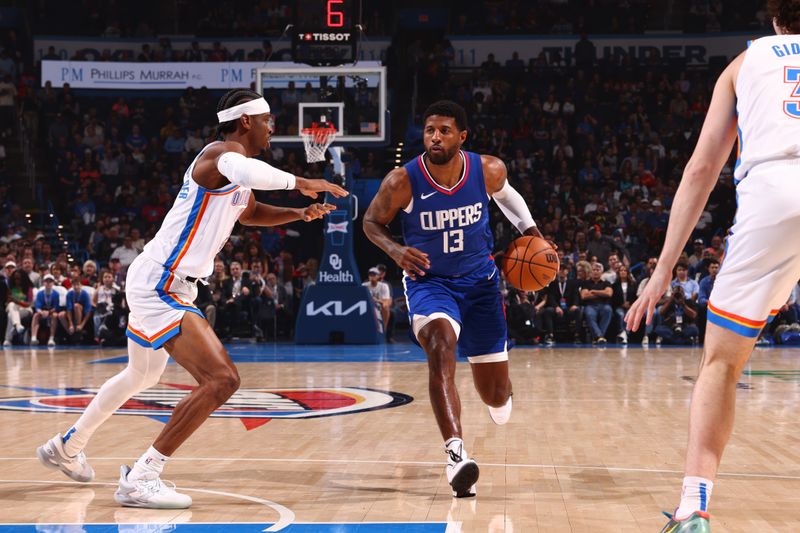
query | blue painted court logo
[254, 407]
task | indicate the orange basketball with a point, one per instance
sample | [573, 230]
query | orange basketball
[530, 263]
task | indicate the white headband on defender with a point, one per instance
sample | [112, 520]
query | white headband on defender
[258, 106]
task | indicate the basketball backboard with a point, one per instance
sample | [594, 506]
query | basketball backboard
[352, 98]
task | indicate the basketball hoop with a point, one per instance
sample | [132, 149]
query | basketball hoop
[316, 140]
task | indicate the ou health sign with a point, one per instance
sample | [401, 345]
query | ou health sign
[148, 76]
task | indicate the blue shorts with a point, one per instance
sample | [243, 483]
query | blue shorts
[473, 302]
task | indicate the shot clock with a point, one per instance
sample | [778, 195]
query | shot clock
[326, 32]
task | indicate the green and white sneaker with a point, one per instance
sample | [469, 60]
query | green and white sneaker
[697, 522]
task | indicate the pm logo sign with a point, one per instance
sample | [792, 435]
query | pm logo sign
[336, 308]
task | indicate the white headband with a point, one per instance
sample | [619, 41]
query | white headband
[253, 107]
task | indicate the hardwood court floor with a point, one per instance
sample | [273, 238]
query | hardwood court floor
[595, 443]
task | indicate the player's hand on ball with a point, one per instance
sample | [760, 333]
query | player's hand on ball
[534, 232]
[315, 211]
[412, 261]
[310, 188]
[645, 305]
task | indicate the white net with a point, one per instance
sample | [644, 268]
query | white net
[316, 140]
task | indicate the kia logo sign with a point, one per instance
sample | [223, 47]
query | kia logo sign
[336, 308]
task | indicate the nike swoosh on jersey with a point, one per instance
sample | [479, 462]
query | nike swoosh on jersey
[424, 196]
[492, 274]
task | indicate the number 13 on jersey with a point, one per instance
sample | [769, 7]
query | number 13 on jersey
[454, 239]
[792, 107]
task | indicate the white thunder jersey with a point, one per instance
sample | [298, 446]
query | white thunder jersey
[768, 103]
[762, 252]
[197, 226]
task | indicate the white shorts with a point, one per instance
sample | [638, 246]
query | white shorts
[158, 300]
[761, 264]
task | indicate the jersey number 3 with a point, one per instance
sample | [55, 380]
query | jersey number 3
[454, 239]
[792, 107]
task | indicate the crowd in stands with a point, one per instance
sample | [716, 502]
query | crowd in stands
[52, 299]
[214, 18]
[114, 167]
[596, 148]
[235, 18]
[590, 306]
[605, 16]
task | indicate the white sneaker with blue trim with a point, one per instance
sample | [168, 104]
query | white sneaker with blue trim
[52, 455]
[149, 492]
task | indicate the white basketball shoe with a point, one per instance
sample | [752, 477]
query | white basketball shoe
[501, 415]
[462, 472]
[149, 492]
[52, 455]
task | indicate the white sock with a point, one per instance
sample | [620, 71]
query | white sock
[145, 366]
[74, 440]
[456, 446]
[149, 465]
[695, 496]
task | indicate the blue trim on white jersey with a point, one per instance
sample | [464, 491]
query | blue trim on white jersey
[138, 340]
[169, 300]
[187, 229]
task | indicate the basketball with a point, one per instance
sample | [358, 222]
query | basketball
[530, 263]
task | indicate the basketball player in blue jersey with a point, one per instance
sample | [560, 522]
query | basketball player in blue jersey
[451, 281]
[161, 286]
[756, 97]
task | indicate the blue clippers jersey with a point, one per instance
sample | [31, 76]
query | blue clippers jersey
[450, 225]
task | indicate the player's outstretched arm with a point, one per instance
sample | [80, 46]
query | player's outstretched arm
[258, 214]
[506, 197]
[393, 195]
[311, 187]
[699, 177]
[227, 162]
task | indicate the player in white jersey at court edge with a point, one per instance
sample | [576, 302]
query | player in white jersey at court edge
[161, 287]
[757, 97]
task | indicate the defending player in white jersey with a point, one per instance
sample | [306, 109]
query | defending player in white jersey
[161, 287]
[757, 96]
